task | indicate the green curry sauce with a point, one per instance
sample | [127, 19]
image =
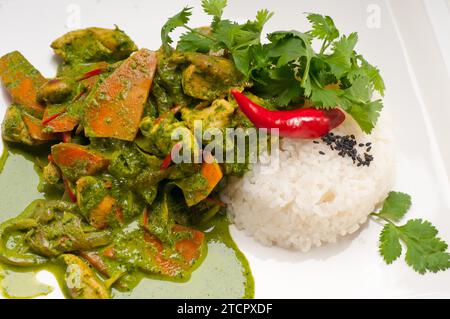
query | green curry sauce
[110, 213]
[223, 273]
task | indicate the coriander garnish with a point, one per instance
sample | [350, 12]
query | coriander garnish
[425, 252]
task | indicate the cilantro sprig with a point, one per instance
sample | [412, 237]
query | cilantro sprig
[287, 70]
[425, 252]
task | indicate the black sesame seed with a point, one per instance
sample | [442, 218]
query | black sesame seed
[316, 142]
[345, 145]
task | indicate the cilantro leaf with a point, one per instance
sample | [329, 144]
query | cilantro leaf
[178, 20]
[322, 27]
[235, 36]
[283, 85]
[262, 17]
[242, 61]
[288, 50]
[390, 247]
[277, 36]
[425, 252]
[373, 74]
[214, 7]
[395, 206]
[325, 98]
[340, 61]
[195, 42]
[339, 77]
[365, 114]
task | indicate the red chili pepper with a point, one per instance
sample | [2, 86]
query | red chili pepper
[79, 96]
[300, 123]
[173, 110]
[168, 159]
[90, 74]
[52, 117]
[69, 191]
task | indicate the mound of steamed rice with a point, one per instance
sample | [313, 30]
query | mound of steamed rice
[313, 199]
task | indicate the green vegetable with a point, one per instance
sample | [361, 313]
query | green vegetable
[178, 20]
[214, 7]
[287, 69]
[425, 252]
[323, 28]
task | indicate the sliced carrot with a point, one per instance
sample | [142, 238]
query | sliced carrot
[117, 106]
[154, 241]
[213, 174]
[34, 127]
[189, 248]
[22, 81]
[76, 160]
[166, 265]
[109, 252]
[98, 216]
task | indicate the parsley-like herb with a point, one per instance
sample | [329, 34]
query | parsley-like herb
[178, 20]
[425, 252]
[287, 70]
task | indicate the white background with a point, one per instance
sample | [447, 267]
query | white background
[406, 48]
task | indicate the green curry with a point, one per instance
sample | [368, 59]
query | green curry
[113, 215]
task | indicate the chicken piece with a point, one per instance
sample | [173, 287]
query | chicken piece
[209, 77]
[14, 128]
[161, 131]
[54, 91]
[93, 45]
[216, 116]
[51, 173]
[60, 229]
[94, 201]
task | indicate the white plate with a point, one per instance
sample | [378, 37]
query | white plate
[415, 78]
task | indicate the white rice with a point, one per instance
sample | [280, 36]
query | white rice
[313, 199]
